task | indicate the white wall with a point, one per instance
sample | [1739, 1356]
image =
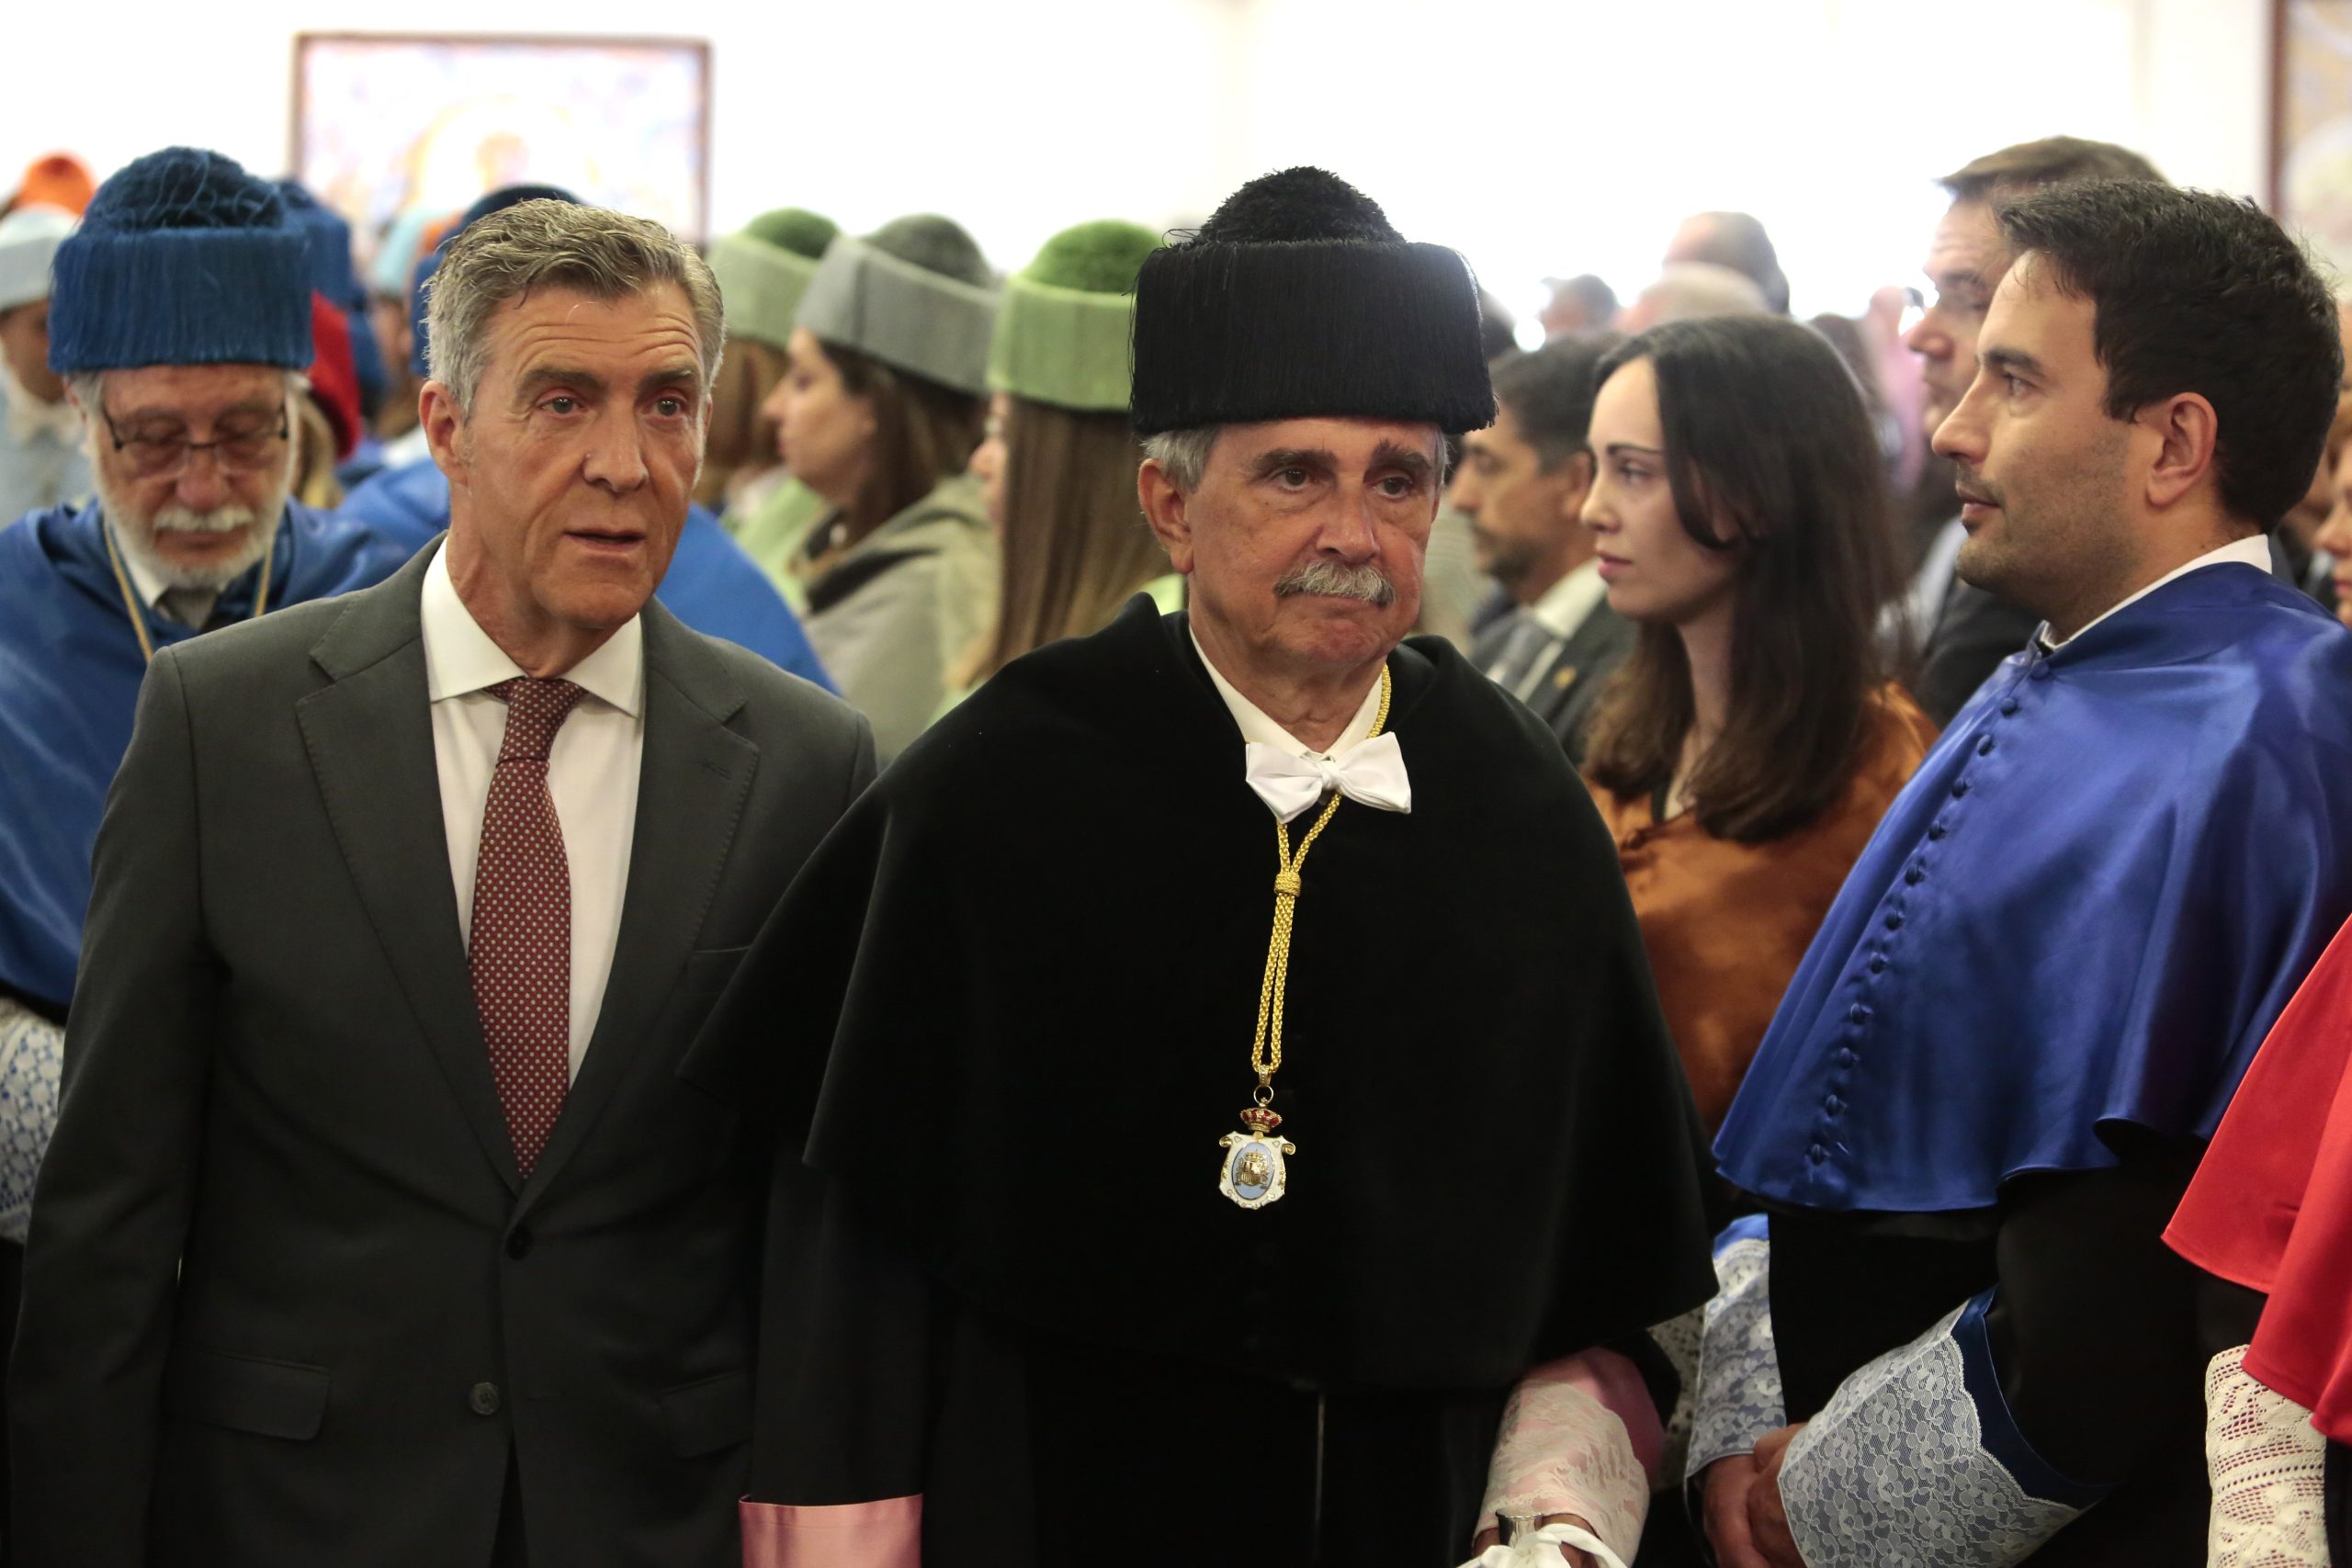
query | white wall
[1539, 136]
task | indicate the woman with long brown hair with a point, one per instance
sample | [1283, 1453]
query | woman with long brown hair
[1749, 746]
[1058, 466]
[763, 270]
[880, 407]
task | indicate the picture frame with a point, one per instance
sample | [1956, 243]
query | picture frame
[385, 125]
[2311, 126]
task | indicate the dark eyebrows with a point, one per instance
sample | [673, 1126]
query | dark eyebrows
[534, 382]
[1389, 455]
[1622, 448]
[673, 377]
[2010, 361]
[1280, 457]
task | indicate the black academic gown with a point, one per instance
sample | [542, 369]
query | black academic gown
[1006, 1016]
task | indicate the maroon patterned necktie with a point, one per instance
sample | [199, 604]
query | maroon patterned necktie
[522, 929]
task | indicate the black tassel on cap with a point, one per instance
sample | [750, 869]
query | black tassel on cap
[1299, 299]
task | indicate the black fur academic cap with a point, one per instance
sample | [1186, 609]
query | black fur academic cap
[1298, 299]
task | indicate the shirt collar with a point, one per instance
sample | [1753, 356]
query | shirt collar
[1569, 602]
[2254, 550]
[460, 657]
[1257, 725]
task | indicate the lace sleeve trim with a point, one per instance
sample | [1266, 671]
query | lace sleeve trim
[1895, 1470]
[1740, 1397]
[33, 1055]
[2269, 1467]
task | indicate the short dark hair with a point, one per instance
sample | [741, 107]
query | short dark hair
[2051, 160]
[2197, 293]
[1769, 452]
[1549, 393]
[1738, 240]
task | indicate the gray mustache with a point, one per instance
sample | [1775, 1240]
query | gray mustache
[1366, 582]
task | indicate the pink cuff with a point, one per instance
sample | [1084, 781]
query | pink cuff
[885, 1534]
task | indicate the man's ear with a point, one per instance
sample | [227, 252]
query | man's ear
[2185, 432]
[437, 412]
[1165, 508]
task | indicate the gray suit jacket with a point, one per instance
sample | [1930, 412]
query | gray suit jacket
[1575, 677]
[286, 1300]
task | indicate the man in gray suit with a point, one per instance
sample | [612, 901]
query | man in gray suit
[378, 1228]
[1521, 482]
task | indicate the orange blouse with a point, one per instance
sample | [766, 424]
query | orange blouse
[1726, 924]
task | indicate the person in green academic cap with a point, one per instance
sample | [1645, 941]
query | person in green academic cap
[1057, 470]
[763, 269]
[881, 406]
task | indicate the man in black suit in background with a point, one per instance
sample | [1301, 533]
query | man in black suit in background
[378, 1228]
[1521, 482]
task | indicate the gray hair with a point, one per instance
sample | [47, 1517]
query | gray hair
[546, 243]
[1183, 454]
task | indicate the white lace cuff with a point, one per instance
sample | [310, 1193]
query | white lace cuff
[2269, 1472]
[1739, 1371]
[1916, 1460]
[32, 1054]
[1568, 1446]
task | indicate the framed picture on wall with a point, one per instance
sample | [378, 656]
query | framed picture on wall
[393, 126]
[2311, 125]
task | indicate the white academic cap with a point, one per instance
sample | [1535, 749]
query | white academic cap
[28, 240]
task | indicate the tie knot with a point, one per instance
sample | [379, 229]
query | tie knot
[536, 709]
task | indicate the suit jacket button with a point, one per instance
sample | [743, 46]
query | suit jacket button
[518, 1242]
[483, 1400]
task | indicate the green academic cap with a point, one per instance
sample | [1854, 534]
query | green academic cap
[915, 294]
[764, 268]
[1062, 335]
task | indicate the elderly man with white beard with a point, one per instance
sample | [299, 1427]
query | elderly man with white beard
[180, 318]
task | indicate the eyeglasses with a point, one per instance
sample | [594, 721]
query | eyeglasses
[237, 451]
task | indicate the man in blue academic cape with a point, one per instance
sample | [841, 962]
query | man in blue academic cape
[711, 584]
[1954, 1335]
[181, 320]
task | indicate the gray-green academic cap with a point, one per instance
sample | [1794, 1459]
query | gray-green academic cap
[1062, 336]
[764, 268]
[911, 314]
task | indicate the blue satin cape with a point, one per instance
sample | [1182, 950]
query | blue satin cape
[2089, 906]
[69, 669]
[712, 586]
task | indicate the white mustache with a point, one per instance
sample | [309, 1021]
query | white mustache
[219, 520]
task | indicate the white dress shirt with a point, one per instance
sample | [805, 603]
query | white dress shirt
[1256, 725]
[592, 773]
[2253, 550]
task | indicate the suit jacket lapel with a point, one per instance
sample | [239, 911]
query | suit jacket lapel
[370, 736]
[1580, 657]
[692, 785]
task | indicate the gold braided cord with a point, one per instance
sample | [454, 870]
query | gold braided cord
[1266, 1048]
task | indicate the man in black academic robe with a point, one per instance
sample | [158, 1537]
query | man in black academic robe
[1024, 1304]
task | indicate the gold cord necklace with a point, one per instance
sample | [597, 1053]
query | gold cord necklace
[130, 600]
[1254, 1173]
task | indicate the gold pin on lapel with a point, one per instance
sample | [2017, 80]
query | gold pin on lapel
[1565, 677]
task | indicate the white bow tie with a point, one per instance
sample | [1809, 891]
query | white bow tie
[1373, 774]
